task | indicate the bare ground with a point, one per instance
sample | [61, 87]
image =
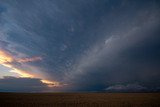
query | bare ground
[79, 99]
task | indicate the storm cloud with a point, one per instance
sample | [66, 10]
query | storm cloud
[13, 84]
[82, 45]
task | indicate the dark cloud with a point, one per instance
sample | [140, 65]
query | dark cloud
[131, 56]
[88, 45]
[13, 84]
[126, 88]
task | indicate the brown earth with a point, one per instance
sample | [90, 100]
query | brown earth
[79, 99]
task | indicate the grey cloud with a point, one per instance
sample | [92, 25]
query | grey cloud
[88, 45]
[108, 61]
[13, 84]
[126, 88]
[31, 31]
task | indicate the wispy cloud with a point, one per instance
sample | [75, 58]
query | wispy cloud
[5, 57]
[7, 60]
[29, 59]
[88, 45]
[103, 63]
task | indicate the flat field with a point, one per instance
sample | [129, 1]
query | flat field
[79, 99]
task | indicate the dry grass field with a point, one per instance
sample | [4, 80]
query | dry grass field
[79, 99]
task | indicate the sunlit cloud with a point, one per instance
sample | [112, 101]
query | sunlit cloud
[6, 59]
[29, 59]
[22, 73]
[50, 83]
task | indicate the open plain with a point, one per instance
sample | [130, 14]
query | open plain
[79, 99]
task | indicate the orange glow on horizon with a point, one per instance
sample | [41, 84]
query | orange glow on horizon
[7, 59]
[22, 73]
[50, 83]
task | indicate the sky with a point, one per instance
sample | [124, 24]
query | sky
[79, 45]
